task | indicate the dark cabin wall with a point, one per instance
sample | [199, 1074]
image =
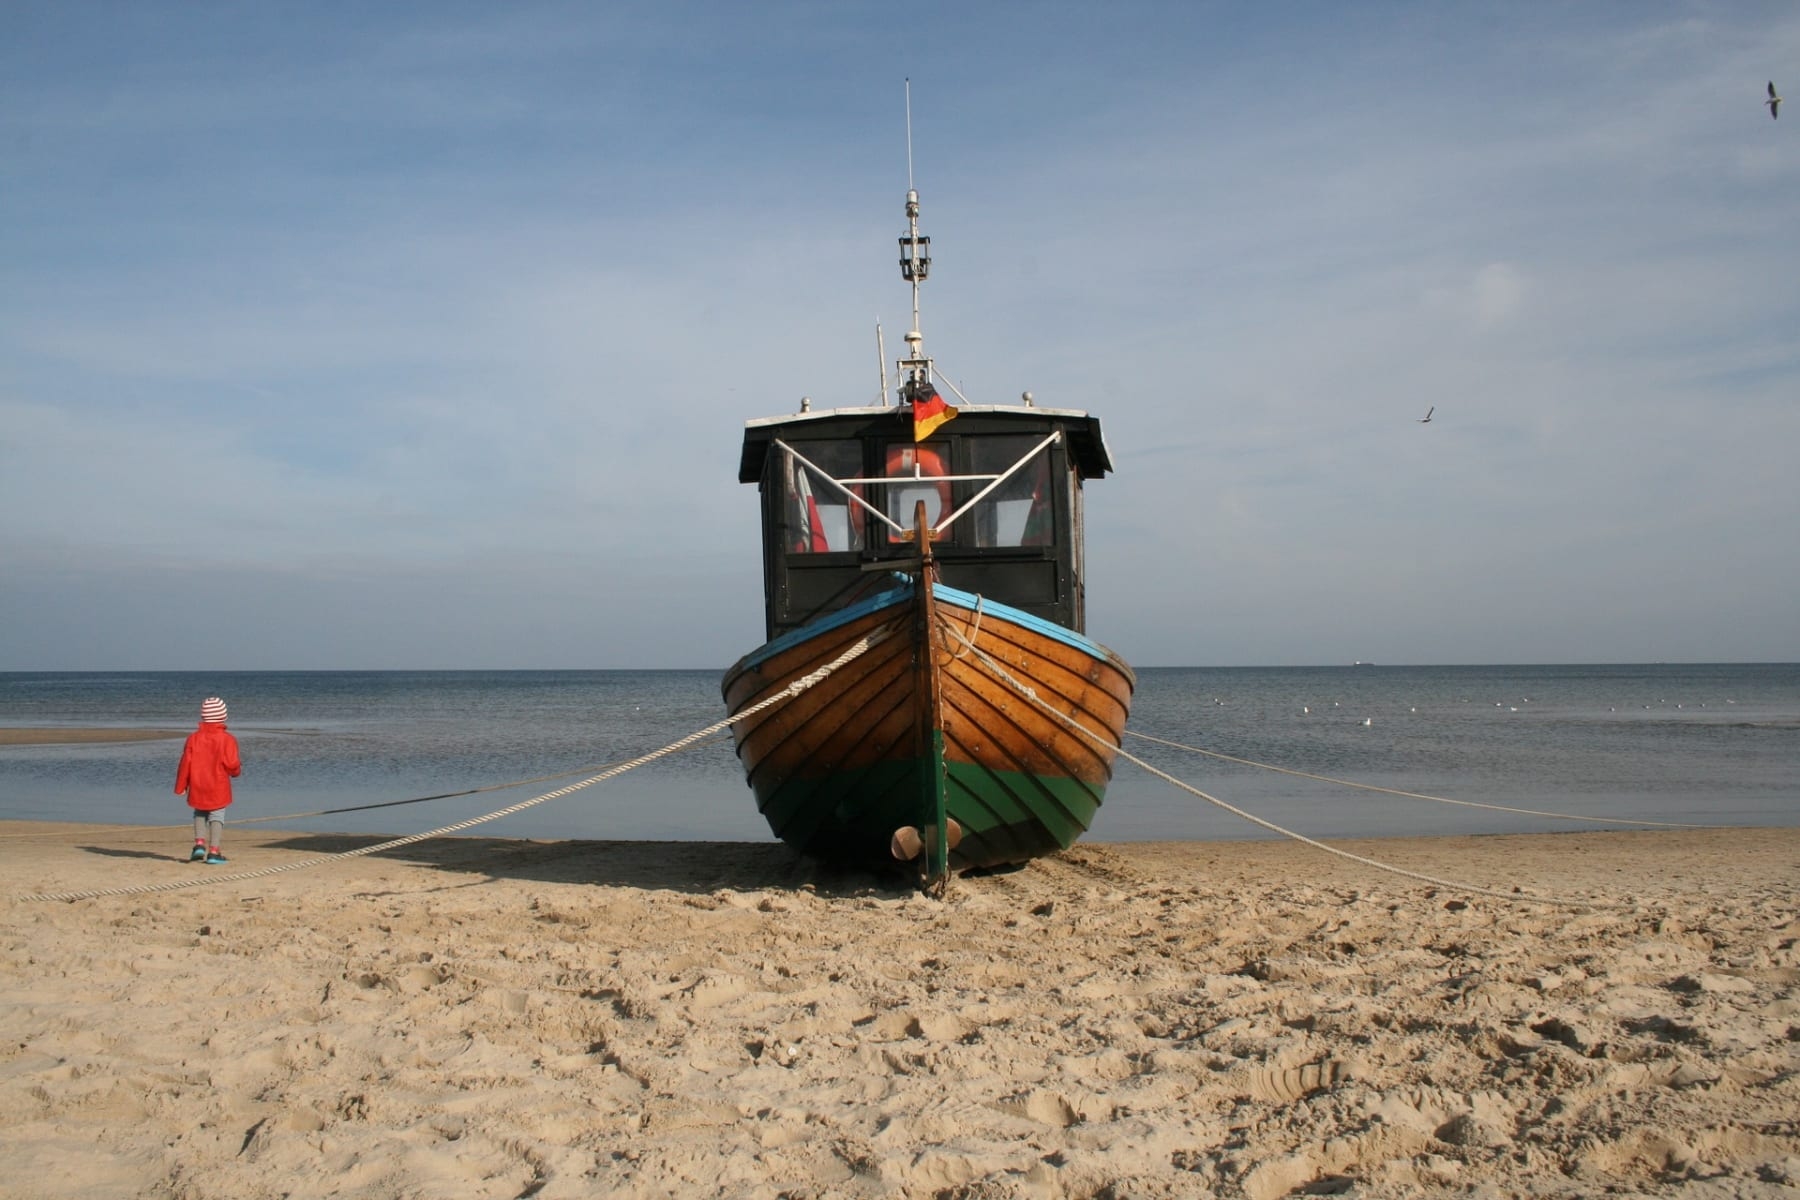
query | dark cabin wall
[1042, 580]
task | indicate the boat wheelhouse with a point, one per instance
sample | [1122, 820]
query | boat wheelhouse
[1002, 488]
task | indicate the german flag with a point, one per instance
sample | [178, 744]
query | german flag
[929, 411]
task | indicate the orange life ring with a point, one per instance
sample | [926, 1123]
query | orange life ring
[907, 460]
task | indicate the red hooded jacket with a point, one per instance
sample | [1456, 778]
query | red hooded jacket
[209, 762]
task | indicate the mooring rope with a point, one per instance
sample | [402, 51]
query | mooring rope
[236, 822]
[791, 690]
[974, 629]
[1101, 740]
[474, 791]
[1370, 787]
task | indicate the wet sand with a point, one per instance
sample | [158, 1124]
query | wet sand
[491, 1018]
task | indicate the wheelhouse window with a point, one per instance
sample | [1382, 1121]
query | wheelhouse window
[921, 472]
[1018, 512]
[818, 515]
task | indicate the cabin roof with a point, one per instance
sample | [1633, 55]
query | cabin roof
[1087, 447]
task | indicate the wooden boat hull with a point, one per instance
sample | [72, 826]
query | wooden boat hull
[929, 729]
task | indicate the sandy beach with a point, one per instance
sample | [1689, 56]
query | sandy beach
[492, 1018]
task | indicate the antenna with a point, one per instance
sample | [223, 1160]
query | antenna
[915, 264]
[909, 173]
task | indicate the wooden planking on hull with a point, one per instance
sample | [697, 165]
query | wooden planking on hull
[839, 720]
[764, 671]
[841, 766]
[1091, 685]
[1094, 691]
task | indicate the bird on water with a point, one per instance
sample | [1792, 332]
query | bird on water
[1426, 419]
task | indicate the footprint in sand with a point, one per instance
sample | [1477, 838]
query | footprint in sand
[1046, 1108]
[1284, 1085]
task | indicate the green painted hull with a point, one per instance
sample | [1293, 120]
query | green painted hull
[1006, 816]
[838, 769]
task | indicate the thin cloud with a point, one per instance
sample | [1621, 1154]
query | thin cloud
[465, 314]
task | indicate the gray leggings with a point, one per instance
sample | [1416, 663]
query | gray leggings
[208, 827]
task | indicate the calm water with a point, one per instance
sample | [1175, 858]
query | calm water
[1713, 744]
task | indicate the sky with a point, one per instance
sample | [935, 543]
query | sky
[412, 336]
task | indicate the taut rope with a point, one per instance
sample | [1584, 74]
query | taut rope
[1030, 693]
[1369, 787]
[162, 830]
[791, 690]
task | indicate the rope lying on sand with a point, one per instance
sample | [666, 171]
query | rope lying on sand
[1030, 694]
[791, 690]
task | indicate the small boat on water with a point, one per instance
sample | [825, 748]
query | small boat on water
[932, 557]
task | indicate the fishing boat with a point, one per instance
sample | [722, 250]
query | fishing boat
[927, 695]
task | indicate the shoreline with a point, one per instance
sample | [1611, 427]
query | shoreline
[1473, 861]
[82, 735]
[497, 1017]
[1415, 847]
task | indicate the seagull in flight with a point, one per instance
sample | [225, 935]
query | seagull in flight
[1426, 419]
[1774, 102]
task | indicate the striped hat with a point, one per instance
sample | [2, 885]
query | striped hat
[212, 709]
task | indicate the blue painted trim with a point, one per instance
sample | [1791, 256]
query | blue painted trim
[1050, 629]
[843, 616]
[945, 595]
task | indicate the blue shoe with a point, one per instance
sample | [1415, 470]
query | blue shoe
[199, 854]
[213, 860]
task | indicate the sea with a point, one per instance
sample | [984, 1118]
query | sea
[1598, 746]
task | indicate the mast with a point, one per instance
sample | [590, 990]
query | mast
[915, 265]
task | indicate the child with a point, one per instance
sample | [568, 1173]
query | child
[209, 762]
